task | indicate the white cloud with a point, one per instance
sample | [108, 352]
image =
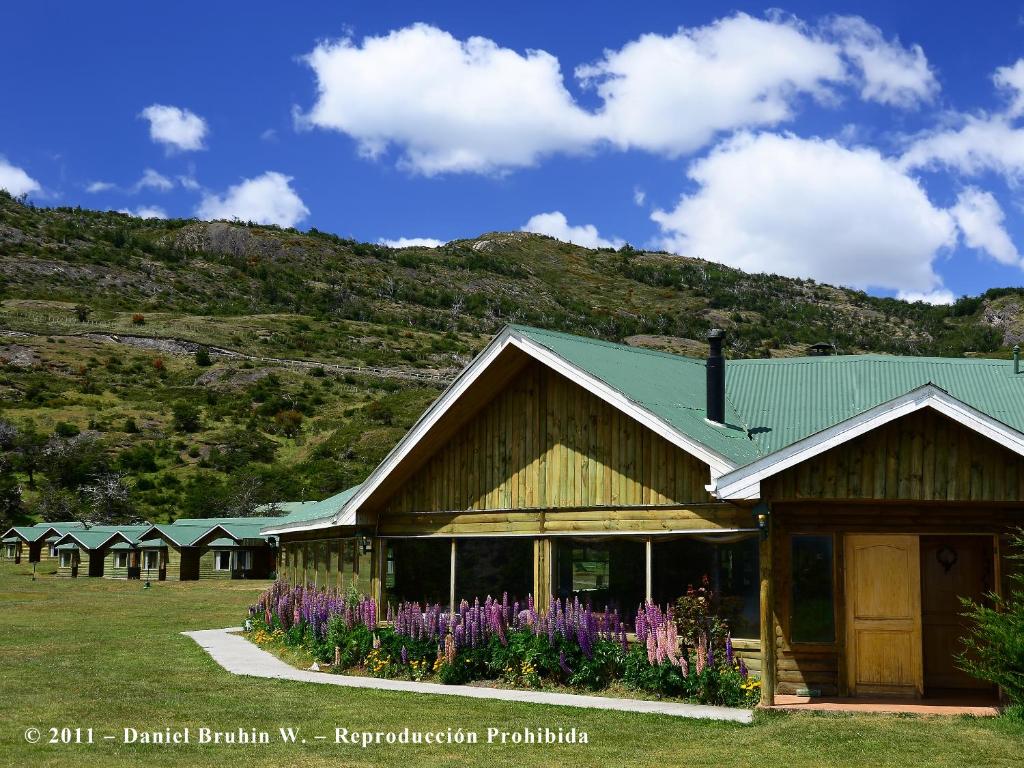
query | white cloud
[449, 105]
[153, 180]
[980, 219]
[146, 212]
[174, 127]
[265, 199]
[412, 242]
[16, 181]
[890, 73]
[1011, 81]
[809, 208]
[639, 196]
[673, 94]
[188, 182]
[100, 186]
[938, 296]
[556, 225]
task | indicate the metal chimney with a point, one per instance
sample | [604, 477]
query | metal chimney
[716, 377]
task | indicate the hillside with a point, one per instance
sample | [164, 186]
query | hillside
[323, 351]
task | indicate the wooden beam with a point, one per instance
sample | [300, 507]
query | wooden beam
[767, 621]
[648, 556]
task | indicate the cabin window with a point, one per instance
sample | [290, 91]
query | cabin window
[65, 559]
[151, 560]
[418, 570]
[493, 567]
[120, 559]
[9, 550]
[222, 560]
[602, 574]
[53, 550]
[812, 612]
[729, 570]
[244, 557]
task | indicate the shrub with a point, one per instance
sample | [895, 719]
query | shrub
[994, 647]
[65, 429]
[203, 358]
[186, 417]
[138, 319]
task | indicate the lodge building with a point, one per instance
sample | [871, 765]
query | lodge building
[838, 506]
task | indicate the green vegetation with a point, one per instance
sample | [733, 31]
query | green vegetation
[198, 356]
[108, 655]
[994, 649]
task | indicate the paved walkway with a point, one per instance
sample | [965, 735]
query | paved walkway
[238, 656]
[961, 706]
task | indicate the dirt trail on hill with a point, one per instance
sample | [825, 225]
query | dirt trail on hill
[171, 346]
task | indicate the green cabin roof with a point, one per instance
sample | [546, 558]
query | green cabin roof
[319, 510]
[222, 543]
[773, 403]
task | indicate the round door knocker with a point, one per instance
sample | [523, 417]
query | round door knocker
[947, 558]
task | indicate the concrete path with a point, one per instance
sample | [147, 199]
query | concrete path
[238, 656]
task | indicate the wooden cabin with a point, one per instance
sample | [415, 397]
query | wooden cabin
[91, 551]
[837, 506]
[208, 548]
[35, 543]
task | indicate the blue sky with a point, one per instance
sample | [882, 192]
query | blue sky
[878, 145]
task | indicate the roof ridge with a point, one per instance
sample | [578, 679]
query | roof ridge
[529, 329]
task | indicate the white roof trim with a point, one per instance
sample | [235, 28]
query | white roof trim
[509, 337]
[71, 535]
[745, 482]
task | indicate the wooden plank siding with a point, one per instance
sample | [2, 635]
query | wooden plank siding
[820, 665]
[543, 455]
[925, 456]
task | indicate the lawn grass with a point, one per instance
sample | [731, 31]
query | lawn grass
[108, 655]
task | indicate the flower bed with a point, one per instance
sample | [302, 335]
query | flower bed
[568, 645]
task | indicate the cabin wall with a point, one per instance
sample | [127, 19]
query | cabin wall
[334, 563]
[820, 665]
[544, 444]
[921, 457]
[72, 569]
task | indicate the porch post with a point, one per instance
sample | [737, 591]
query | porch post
[649, 552]
[767, 621]
[451, 585]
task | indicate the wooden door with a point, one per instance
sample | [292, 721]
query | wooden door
[952, 567]
[883, 615]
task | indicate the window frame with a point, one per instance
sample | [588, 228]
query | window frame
[836, 540]
[217, 561]
[145, 560]
[118, 555]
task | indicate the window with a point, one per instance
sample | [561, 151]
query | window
[151, 560]
[812, 614]
[53, 550]
[492, 567]
[9, 550]
[244, 558]
[730, 569]
[66, 559]
[602, 574]
[121, 559]
[418, 570]
[221, 560]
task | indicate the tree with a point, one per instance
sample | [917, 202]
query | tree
[70, 462]
[186, 417]
[247, 499]
[203, 357]
[82, 312]
[57, 505]
[289, 422]
[108, 499]
[29, 444]
[12, 509]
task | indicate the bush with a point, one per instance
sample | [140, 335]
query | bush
[994, 648]
[203, 358]
[138, 319]
[186, 417]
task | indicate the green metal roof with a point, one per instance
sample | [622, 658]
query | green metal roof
[223, 543]
[121, 545]
[319, 510]
[773, 403]
[70, 546]
[11, 540]
[33, 533]
[152, 544]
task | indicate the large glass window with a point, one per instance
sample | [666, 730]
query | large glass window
[417, 570]
[602, 574]
[812, 615]
[729, 569]
[492, 567]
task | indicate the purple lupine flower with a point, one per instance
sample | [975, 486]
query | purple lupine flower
[405, 655]
[564, 663]
[729, 655]
[743, 670]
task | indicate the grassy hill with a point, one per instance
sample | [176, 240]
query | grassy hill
[325, 350]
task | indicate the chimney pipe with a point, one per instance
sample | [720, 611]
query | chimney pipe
[716, 377]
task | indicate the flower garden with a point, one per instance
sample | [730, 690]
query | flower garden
[681, 652]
